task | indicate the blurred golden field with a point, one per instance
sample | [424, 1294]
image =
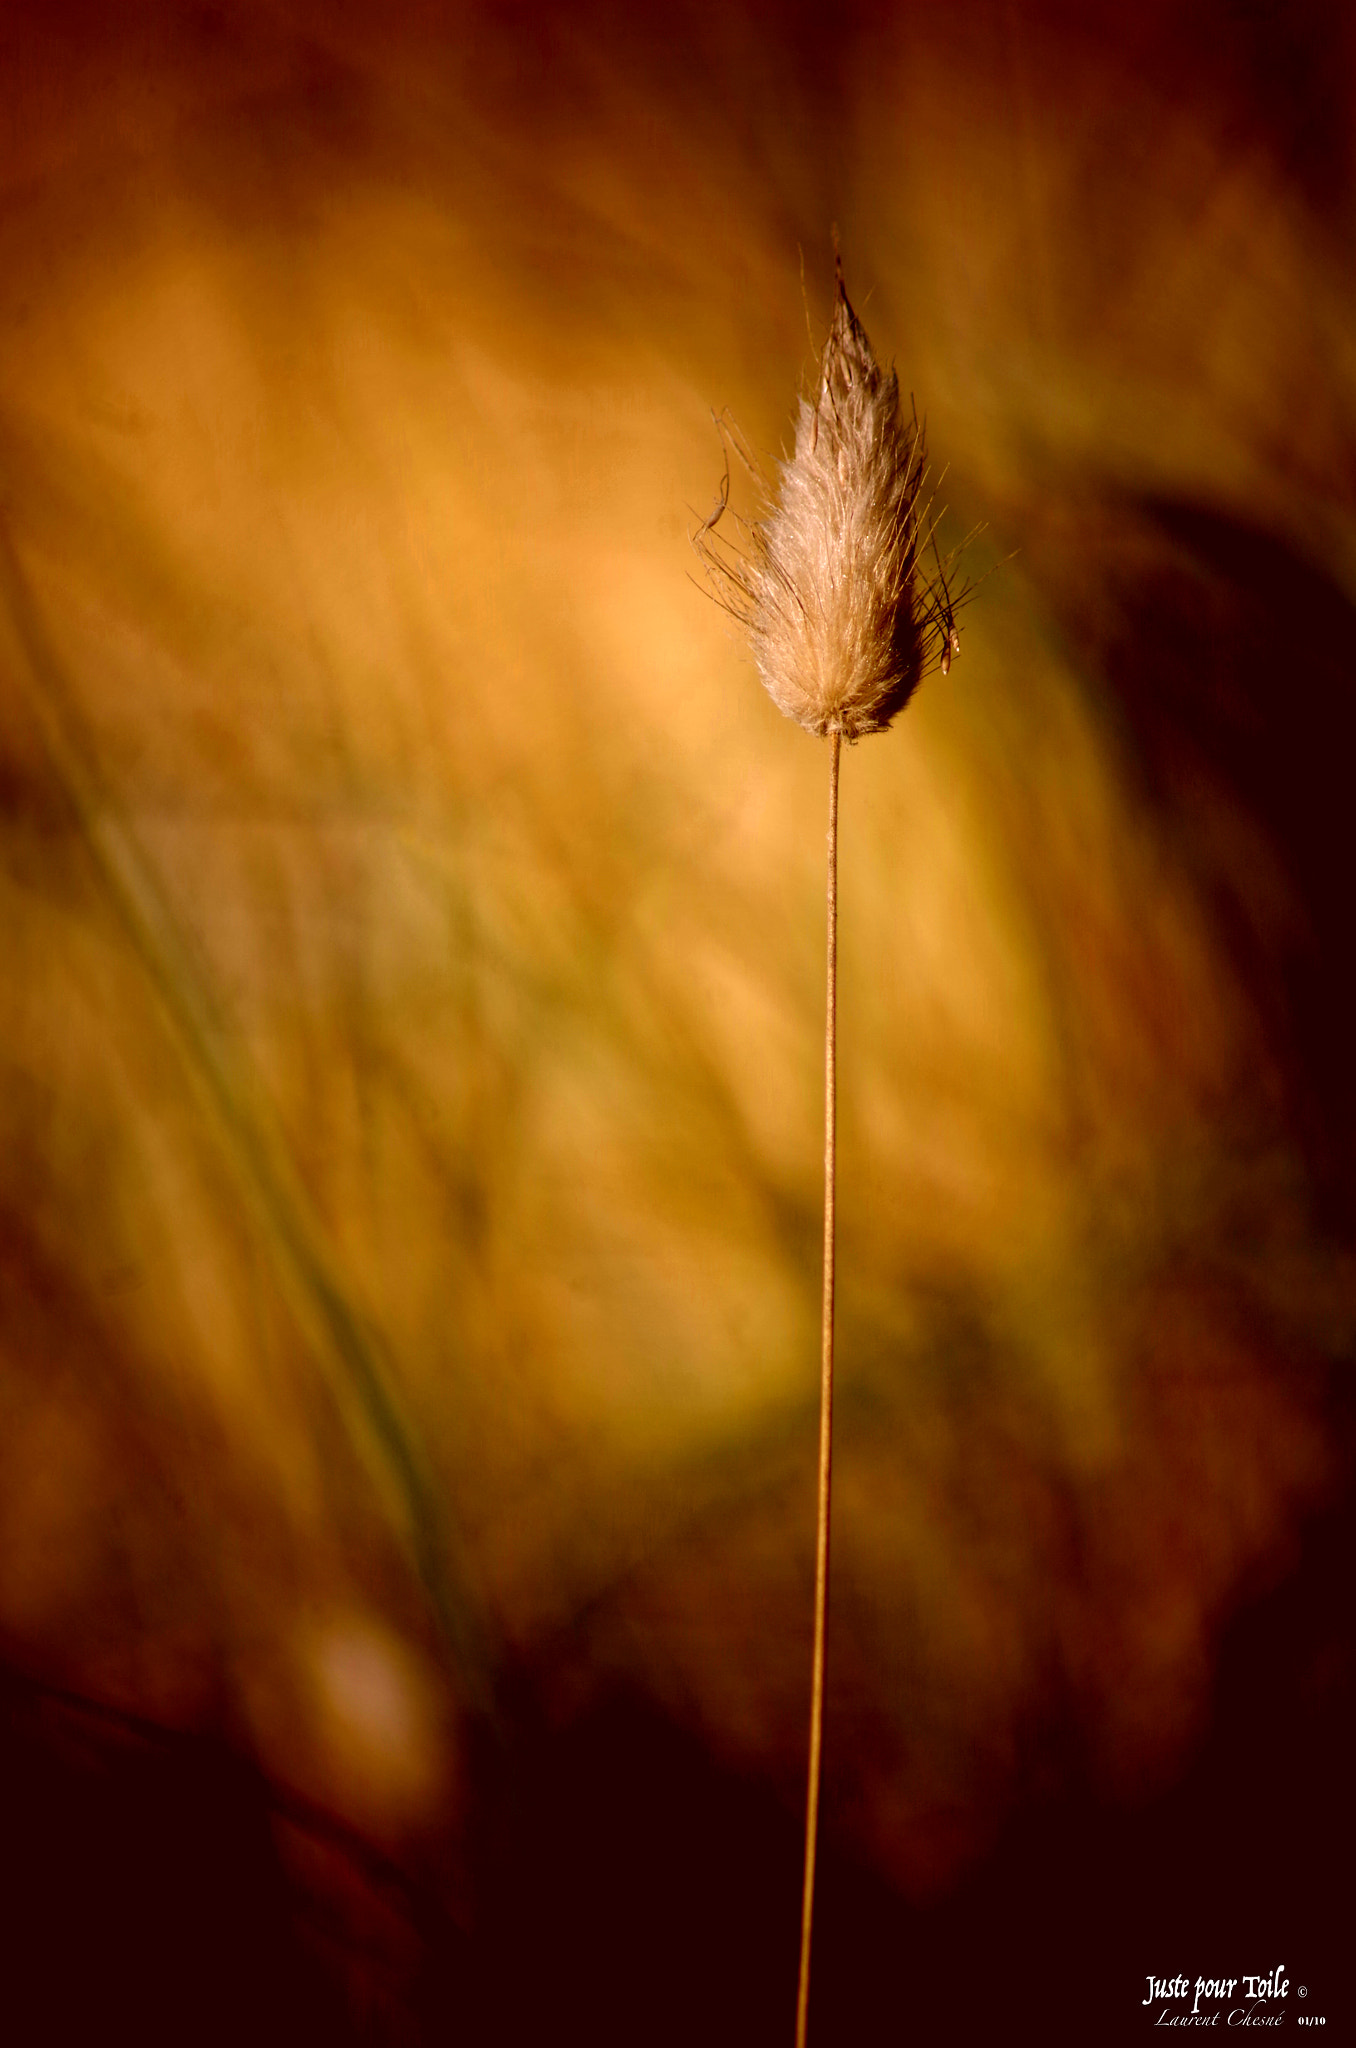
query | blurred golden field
[411, 1029]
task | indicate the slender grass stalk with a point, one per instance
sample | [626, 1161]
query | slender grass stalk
[828, 583]
[807, 1911]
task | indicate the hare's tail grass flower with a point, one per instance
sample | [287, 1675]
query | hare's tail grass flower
[829, 582]
[828, 578]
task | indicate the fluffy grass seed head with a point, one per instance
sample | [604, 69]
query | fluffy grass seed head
[827, 581]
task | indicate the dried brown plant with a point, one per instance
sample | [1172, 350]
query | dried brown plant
[843, 627]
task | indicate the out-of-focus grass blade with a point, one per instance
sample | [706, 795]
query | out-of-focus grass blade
[218, 1064]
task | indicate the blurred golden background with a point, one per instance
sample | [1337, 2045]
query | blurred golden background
[411, 1027]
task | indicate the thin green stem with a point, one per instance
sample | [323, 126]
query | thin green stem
[825, 1404]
